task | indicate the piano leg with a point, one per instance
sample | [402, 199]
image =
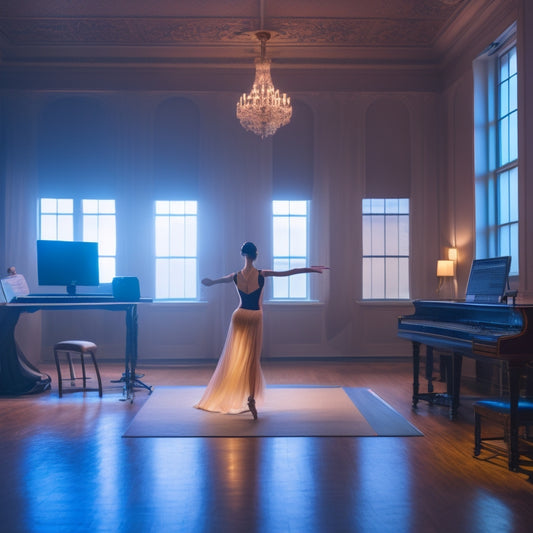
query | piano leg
[515, 372]
[416, 368]
[455, 378]
[429, 368]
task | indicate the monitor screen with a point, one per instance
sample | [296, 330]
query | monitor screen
[68, 263]
[488, 280]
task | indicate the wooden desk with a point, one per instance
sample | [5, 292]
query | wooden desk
[18, 376]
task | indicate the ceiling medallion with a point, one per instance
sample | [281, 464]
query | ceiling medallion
[263, 110]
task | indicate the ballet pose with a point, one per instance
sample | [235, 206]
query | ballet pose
[238, 379]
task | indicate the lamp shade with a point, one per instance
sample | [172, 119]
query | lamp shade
[452, 254]
[445, 268]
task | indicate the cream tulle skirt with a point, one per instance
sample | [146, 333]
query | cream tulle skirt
[238, 374]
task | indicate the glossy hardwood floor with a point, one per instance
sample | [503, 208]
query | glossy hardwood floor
[66, 468]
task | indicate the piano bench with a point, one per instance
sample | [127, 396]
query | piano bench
[498, 412]
[83, 349]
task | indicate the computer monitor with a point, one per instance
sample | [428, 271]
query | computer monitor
[488, 280]
[68, 263]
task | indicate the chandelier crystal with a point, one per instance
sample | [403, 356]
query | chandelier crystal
[263, 110]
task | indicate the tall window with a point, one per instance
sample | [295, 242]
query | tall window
[290, 249]
[496, 150]
[175, 250]
[63, 219]
[385, 248]
[506, 229]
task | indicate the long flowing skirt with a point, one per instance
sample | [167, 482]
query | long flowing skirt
[238, 374]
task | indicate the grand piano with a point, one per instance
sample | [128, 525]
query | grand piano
[483, 327]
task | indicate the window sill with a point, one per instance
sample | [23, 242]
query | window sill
[394, 303]
[283, 303]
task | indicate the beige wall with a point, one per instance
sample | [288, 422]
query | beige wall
[236, 185]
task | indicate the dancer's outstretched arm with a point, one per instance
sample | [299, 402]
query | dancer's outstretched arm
[292, 271]
[224, 279]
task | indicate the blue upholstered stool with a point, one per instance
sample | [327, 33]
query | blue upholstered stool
[83, 349]
[498, 411]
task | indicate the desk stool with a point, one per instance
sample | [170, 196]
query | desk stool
[498, 412]
[83, 348]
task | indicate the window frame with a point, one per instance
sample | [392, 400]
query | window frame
[371, 209]
[289, 260]
[189, 211]
[497, 223]
[77, 231]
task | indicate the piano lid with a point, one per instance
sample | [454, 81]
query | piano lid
[488, 280]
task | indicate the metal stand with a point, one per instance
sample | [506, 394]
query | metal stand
[129, 377]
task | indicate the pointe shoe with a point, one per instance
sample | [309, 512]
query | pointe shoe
[251, 406]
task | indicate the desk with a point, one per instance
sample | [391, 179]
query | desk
[18, 376]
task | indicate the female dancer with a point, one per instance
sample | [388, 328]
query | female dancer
[238, 379]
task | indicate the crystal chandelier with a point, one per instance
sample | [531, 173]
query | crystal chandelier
[263, 110]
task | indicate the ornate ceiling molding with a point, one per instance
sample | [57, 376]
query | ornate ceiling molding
[176, 31]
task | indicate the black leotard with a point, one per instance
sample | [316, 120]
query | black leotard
[251, 300]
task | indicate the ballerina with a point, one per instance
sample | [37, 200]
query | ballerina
[238, 378]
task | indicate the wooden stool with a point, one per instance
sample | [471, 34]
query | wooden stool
[83, 348]
[498, 411]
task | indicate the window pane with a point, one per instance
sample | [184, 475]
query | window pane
[289, 225]
[403, 235]
[48, 205]
[504, 248]
[176, 247]
[513, 136]
[298, 208]
[161, 278]
[367, 234]
[107, 269]
[191, 237]
[90, 228]
[65, 228]
[385, 248]
[367, 278]
[48, 227]
[298, 283]
[391, 235]
[378, 277]
[404, 206]
[65, 205]
[177, 236]
[378, 234]
[90, 206]
[298, 236]
[504, 141]
[162, 208]
[281, 236]
[513, 249]
[513, 195]
[503, 198]
[391, 277]
[403, 278]
[391, 205]
[281, 285]
[280, 207]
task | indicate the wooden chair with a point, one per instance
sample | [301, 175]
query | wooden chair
[83, 349]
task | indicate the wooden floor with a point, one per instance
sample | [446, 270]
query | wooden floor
[65, 467]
